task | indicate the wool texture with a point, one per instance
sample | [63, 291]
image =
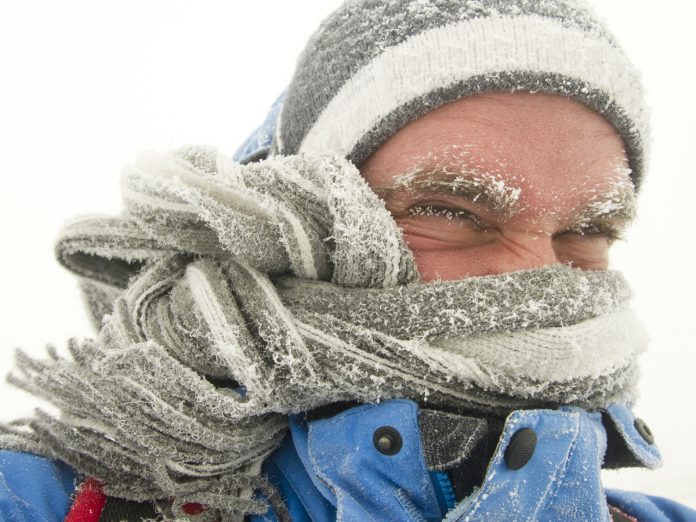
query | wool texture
[229, 296]
[387, 62]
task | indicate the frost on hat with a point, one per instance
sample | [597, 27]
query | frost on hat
[375, 65]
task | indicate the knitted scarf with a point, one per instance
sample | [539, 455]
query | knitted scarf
[229, 296]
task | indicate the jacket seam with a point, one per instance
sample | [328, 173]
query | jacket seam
[409, 506]
[555, 483]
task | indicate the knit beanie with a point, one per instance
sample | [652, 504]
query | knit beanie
[375, 65]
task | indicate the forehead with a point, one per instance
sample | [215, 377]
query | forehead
[555, 151]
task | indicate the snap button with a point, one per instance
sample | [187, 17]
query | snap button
[387, 440]
[644, 431]
[520, 449]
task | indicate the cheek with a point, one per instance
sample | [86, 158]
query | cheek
[447, 262]
[450, 265]
[497, 257]
[449, 257]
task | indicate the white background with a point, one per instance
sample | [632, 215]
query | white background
[85, 84]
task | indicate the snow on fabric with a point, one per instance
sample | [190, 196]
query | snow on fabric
[290, 278]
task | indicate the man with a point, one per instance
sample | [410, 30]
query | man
[341, 298]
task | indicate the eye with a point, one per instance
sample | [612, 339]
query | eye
[596, 231]
[438, 225]
[587, 247]
[452, 215]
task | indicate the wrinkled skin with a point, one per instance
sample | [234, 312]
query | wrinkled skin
[546, 182]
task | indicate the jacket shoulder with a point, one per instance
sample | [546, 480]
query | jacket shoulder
[34, 488]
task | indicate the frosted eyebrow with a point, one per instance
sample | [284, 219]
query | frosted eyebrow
[477, 186]
[619, 202]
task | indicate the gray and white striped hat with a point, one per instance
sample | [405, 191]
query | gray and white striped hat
[375, 65]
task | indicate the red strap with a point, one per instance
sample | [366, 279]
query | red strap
[193, 508]
[89, 502]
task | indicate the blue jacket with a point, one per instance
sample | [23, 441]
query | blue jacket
[336, 468]
[396, 461]
[332, 468]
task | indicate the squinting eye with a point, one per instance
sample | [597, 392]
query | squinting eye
[436, 225]
[598, 231]
[450, 214]
[586, 249]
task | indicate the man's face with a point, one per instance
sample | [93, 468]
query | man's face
[502, 182]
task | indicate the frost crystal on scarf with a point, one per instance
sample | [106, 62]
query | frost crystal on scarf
[290, 278]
